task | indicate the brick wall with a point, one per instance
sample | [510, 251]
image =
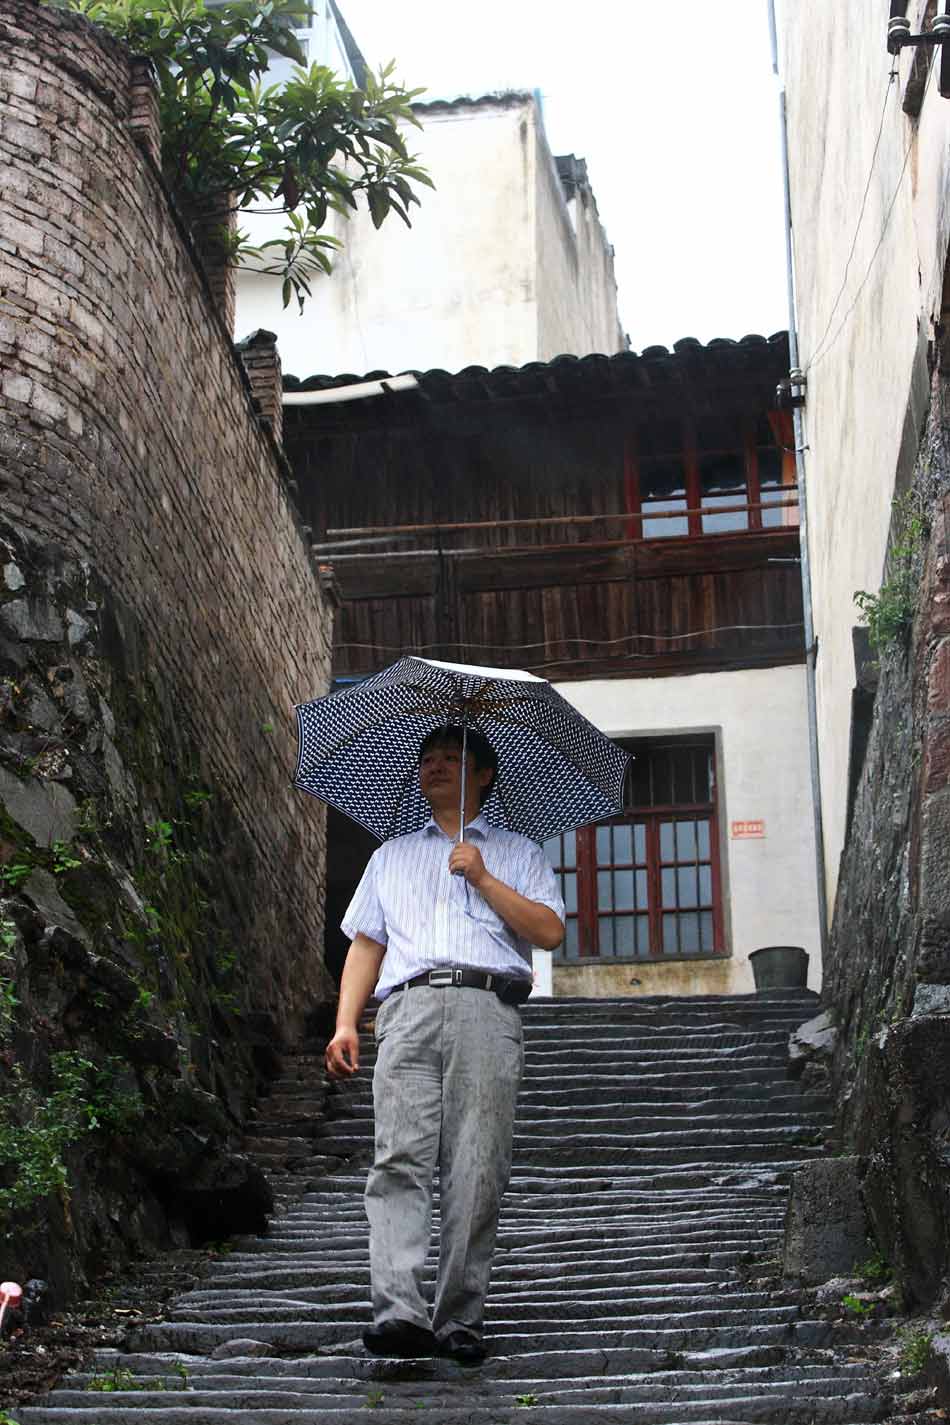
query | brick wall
[128, 436]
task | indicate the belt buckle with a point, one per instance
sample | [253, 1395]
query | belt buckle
[440, 978]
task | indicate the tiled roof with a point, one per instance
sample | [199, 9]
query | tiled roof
[504, 97]
[752, 357]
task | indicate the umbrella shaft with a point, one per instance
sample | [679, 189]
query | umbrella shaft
[462, 781]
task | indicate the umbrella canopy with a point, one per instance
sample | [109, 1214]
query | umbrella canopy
[359, 748]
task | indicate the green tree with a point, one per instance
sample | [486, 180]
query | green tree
[315, 145]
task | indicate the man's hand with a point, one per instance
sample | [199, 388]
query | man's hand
[466, 860]
[343, 1053]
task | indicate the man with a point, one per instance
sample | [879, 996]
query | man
[442, 930]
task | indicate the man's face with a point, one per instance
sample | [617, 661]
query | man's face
[440, 779]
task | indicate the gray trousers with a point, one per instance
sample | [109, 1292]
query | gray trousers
[448, 1067]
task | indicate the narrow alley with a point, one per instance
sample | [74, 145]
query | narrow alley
[637, 1272]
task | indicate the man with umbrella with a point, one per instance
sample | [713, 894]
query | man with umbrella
[461, 773]
[442, 930]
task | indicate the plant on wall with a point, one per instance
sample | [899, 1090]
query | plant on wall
[313, 146]
[890, 612]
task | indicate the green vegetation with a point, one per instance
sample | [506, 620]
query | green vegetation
[159, 835]
[313, 146]
[855, 1306]
[526, 1400]
[35, 1132]
[121, 1378]
[8, 1003]
[58, 858]
[890, 612]
[876, 1271]
[15, 872]
[916, 1347]
[63, 859]
[374, 1399]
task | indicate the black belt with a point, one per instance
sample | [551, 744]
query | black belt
[510, 991]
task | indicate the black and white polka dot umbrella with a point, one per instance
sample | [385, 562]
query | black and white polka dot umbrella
[359, 748]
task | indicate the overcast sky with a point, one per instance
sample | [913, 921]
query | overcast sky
[674, 105]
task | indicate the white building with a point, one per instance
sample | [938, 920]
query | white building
[870, 204]
[506, 261]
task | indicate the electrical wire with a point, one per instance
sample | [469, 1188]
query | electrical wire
[603, 642]
[864, 199]
[821, 354]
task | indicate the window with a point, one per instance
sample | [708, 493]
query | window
[646, 885]
[663, 490]
[722, 481]
[731, 469]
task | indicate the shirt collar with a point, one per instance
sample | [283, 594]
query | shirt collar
[479, 825]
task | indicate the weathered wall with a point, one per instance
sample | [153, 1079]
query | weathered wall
[888, 977]
[490, 272]
[127, 435]
[760, 722]
[159, 617]
[865, 318]
[575, 283]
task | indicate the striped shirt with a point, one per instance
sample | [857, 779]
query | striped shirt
[409, 901]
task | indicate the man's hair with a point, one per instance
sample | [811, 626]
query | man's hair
[477, 747]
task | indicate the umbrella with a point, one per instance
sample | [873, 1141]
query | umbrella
[359, 748]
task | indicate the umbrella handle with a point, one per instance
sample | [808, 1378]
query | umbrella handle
[462, 781]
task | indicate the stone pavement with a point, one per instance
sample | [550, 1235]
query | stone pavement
[654, 1145]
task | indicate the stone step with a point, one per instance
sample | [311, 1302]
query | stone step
[345, 1375]
[530, 1366]
[351, 1268]
[552, 1108]
[199, 1338]
[654, 1141]
[760, 1408]
[243, 1396]
[644, 1302]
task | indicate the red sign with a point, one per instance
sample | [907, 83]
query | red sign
[743, 830]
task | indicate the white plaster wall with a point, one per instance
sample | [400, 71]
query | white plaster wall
[576, 287]
[759, 717]
[455, 289]
[863, 404]
[465, 285]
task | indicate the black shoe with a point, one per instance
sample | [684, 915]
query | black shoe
[467, 1350]
[399, 1338]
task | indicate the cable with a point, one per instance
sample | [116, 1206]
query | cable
[864, 199]
[821, 354]
[606, 642]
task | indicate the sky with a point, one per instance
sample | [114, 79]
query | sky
[673, 104]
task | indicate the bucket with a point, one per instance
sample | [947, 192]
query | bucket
[780, 967]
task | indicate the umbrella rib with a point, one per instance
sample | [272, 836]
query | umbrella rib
[402, 792]
[512, 722]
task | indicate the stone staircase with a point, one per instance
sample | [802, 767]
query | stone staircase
[653, 1148]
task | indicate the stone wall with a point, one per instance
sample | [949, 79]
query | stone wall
[161, 883]
[128, 435]
[888, 973]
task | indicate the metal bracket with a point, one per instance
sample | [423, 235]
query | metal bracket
[899, 36]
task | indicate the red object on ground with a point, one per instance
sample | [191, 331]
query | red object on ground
[11, 1295]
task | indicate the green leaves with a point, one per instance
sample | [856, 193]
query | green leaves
[304, 255]
[317, 144]
[36, 1132]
